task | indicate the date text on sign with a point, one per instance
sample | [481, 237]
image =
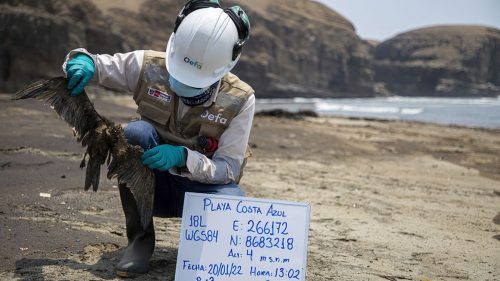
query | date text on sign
[227, 238]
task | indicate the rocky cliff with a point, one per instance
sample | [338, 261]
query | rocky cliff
[36, 35]
[441, 61]
[298, 48]
[302, 48]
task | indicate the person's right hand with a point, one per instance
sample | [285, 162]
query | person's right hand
[79, 70]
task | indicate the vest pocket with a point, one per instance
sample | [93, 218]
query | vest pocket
[153, 112]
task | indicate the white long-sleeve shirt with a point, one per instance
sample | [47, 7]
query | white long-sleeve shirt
[122, 71]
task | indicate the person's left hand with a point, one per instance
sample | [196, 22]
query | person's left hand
[165, 156]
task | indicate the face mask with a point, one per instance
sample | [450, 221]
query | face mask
[183, 90]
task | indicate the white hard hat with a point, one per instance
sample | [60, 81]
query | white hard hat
[200, 51]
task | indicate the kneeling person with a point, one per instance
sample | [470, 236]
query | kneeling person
[195, 115]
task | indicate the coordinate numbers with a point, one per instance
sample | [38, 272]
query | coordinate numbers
[269, 242]
[269, 228]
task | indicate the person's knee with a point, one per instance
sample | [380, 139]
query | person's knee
[140, 133]
[230, 190]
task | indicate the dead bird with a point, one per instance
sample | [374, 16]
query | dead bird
[105, 142]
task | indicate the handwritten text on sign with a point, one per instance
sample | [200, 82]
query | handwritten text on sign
[246, 239]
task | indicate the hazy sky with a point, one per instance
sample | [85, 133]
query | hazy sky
[381, 19]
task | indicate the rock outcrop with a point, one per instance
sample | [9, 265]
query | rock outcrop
[302, 48]
[36, 35]
[441, 61]
[298, 48]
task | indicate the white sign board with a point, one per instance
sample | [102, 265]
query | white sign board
[245, 239]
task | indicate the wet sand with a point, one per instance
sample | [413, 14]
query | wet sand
[389, 200]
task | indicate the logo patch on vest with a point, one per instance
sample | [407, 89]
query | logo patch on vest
[157, 94]
[215, 118]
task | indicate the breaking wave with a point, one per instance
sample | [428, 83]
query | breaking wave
[476, 112]
[333, 107]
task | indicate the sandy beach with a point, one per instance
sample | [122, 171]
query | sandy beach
[389, 200]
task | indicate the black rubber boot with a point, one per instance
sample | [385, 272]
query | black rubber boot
[141, 243]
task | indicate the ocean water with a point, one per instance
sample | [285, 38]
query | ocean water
[471, 112]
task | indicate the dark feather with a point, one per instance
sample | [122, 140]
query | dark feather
[102, 138]
[76, 111]
[127, 167]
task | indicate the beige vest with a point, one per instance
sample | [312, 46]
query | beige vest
[158, 105]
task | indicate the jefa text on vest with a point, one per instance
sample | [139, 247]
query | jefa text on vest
[216, 118]
[193, 63]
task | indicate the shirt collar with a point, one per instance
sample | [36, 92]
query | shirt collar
[212, 99]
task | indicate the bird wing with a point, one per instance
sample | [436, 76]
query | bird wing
[98, 132]
[127, 167]
[77, 111]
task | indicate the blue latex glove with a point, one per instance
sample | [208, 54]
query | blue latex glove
[79, 70]
[164, 157]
